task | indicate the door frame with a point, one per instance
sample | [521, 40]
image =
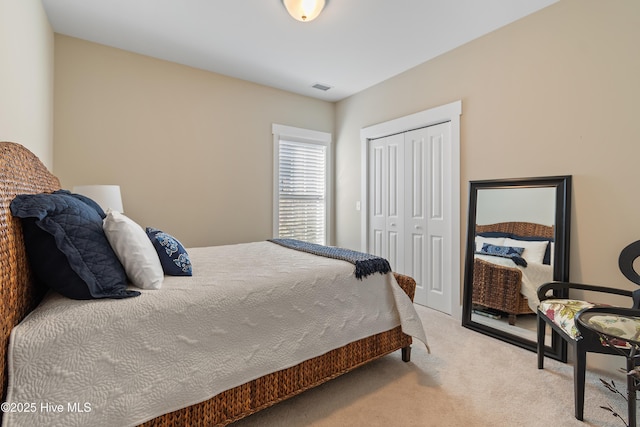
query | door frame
[445, 113]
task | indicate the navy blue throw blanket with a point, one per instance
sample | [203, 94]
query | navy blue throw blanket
[366, 264]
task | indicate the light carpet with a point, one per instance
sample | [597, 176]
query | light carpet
[469, 379]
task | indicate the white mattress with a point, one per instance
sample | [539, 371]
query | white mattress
[250, 309]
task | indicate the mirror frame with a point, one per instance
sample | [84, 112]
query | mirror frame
[562, 184]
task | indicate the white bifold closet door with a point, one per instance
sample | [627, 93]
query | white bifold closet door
[409, 224]
[386, 197]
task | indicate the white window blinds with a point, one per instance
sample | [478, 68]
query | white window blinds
[302, 192]
[301, 184]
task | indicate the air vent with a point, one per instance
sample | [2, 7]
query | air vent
[320, 86]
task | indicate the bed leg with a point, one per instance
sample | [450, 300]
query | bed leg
[406, 353]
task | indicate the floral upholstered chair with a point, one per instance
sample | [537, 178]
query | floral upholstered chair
[560, 315]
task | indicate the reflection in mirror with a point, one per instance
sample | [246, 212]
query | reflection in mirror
[517, 240]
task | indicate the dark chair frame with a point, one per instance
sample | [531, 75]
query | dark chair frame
[588, 342]
[632, 355]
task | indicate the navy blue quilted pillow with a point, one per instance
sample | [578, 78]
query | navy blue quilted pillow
[515, 253]
[67, 248]
[173, 256]
[84, 199]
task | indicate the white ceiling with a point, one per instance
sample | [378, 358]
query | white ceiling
[352, 45]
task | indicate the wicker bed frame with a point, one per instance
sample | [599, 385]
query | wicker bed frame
[21, 172]
[498, 287]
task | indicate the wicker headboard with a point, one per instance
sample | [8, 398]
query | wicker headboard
[523, 229]
[21, 172]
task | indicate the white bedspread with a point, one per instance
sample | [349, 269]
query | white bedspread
[533, 275]
[253, 309]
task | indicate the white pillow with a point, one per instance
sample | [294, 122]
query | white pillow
[134, 250]
[533, 250]
[496, 241]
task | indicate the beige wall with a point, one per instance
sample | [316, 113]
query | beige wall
[192, 150]
[552, 94]
[26, 77]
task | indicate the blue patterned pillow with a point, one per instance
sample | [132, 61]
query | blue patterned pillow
[515, 253]
[173, 256]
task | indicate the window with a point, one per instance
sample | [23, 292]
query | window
[301, 184]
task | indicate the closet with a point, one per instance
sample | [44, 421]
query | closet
[409, 218]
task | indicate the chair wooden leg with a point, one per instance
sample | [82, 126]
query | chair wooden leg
[631, 393]
[579, 368]
[540, 344]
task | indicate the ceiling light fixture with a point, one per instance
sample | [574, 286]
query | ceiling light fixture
[304, 10]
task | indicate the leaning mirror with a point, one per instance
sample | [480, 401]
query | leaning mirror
[517, 239]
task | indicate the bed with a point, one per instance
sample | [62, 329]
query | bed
[23, 303]
[501, 284]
